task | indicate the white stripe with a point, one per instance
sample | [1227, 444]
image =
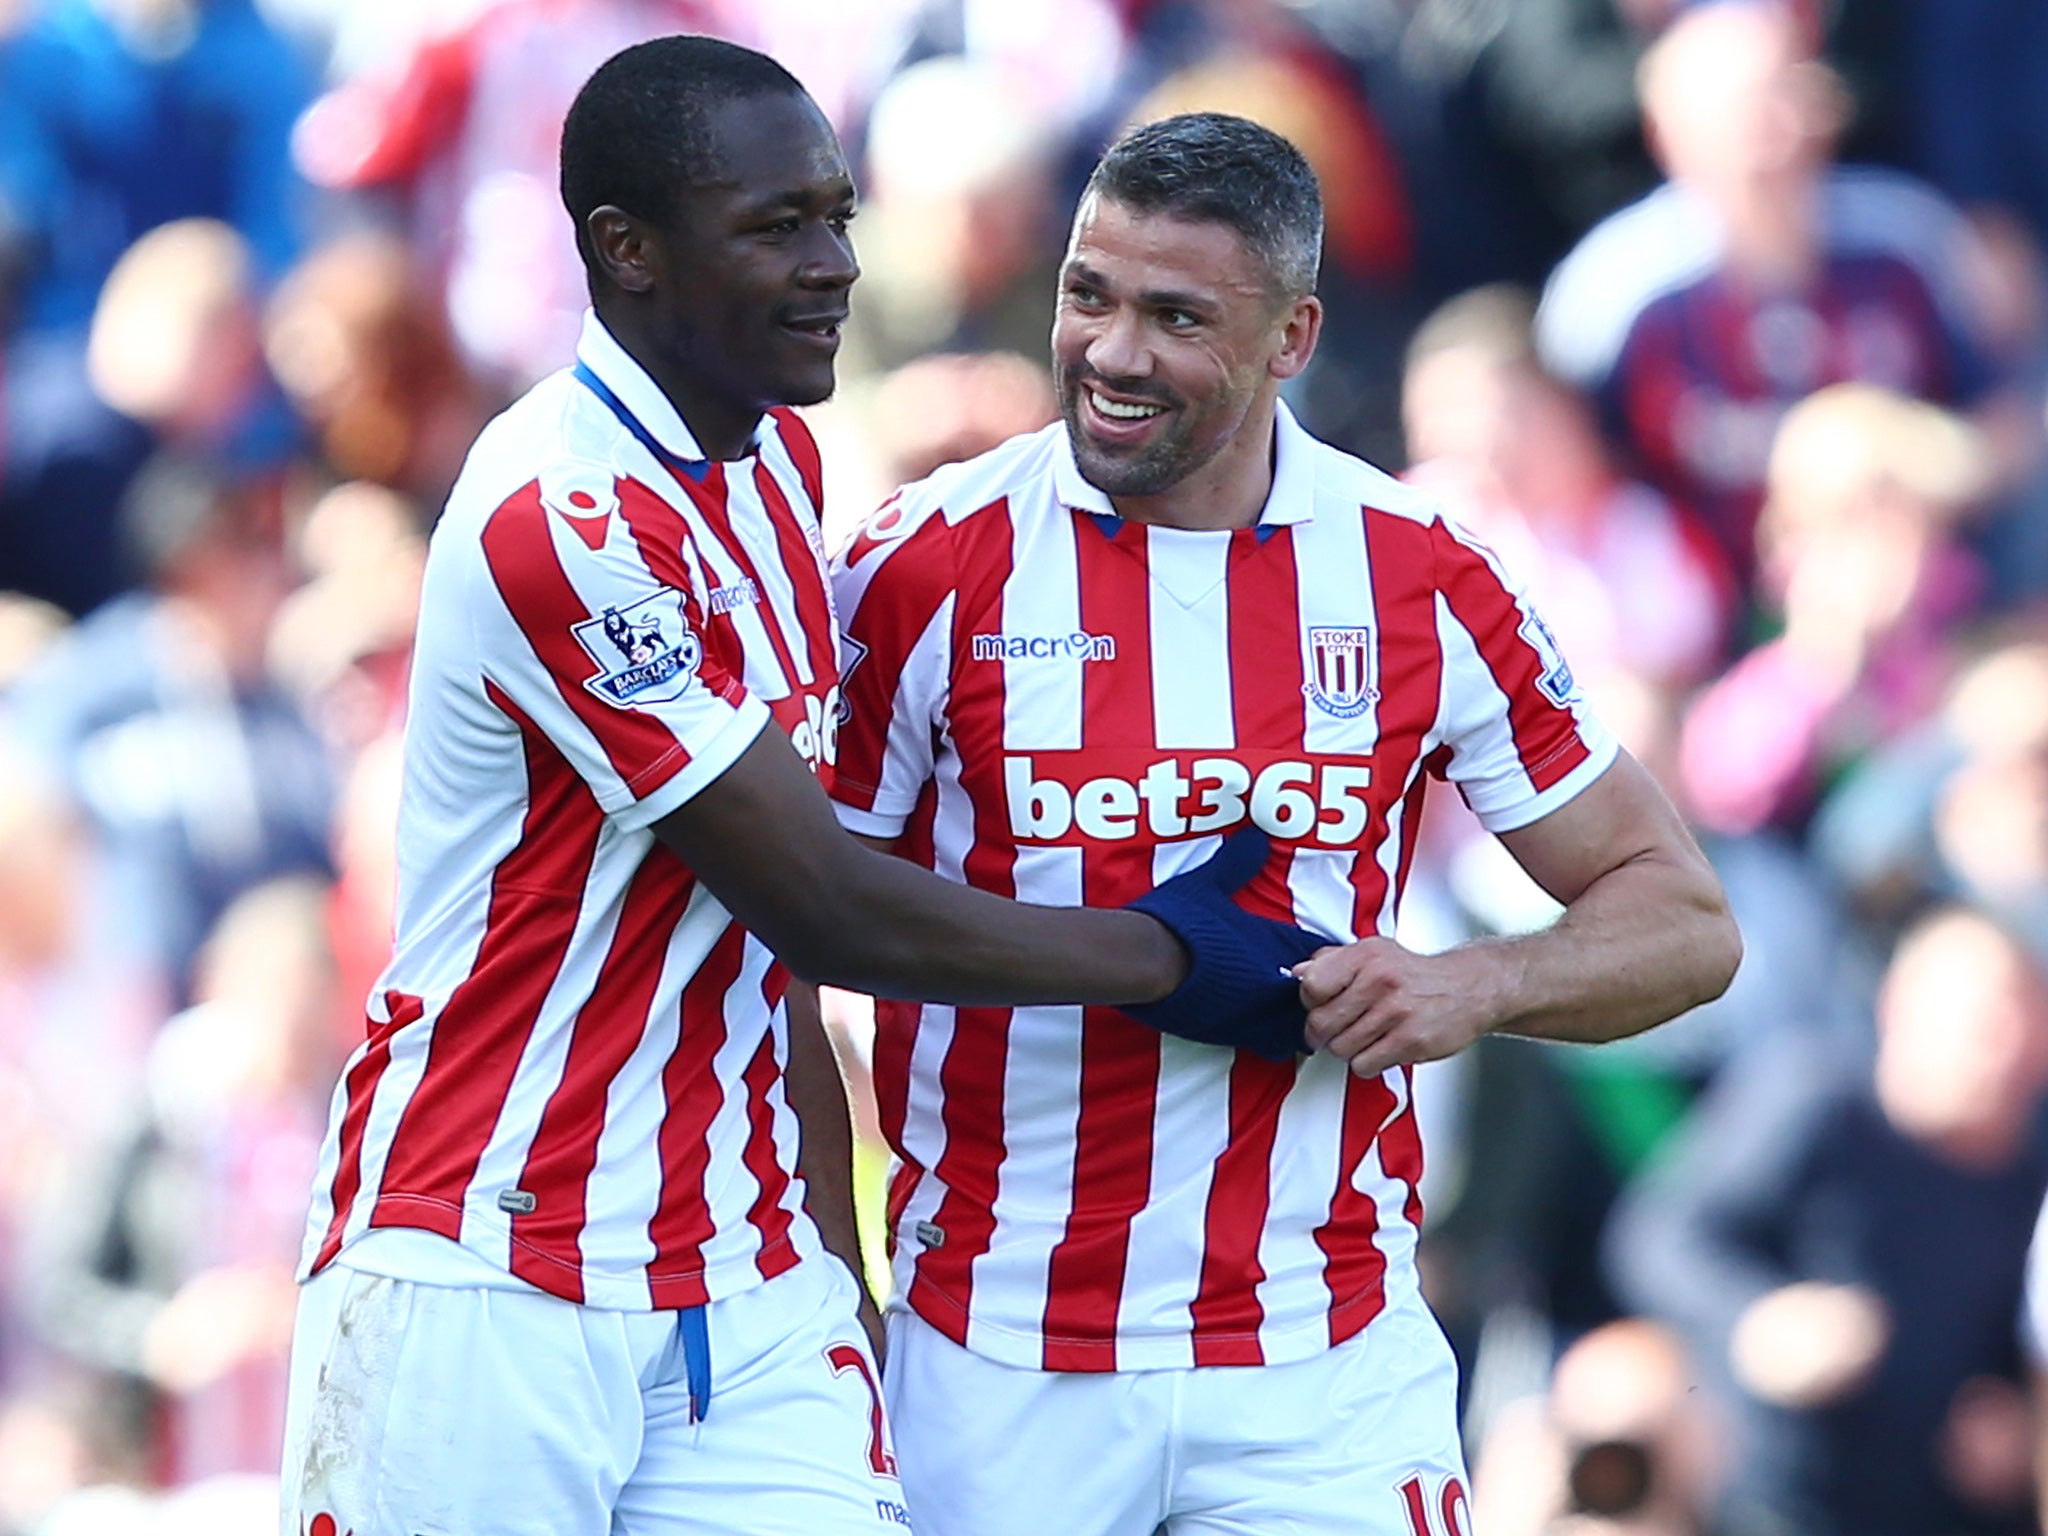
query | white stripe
[748, 514]
[626, 1180]
[1191, 681]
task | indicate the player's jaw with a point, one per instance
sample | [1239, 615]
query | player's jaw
[1130, 437]
[805, 337]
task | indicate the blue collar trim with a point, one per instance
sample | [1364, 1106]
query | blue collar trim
[696, 469]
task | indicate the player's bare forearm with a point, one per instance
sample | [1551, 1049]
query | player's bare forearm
[1645, 935]
[817, 1093]
[763, 837]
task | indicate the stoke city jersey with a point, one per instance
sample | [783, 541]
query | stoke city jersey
[1694, 370]
[1052, 704]
[573, 1061]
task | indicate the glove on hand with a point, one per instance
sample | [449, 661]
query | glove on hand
[1237, 991]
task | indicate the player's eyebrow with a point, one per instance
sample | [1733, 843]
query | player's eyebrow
[829, 194]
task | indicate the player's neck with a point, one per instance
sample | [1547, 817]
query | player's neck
[722, 427]
[1229, 491]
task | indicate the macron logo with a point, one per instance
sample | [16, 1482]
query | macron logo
[1079, 646]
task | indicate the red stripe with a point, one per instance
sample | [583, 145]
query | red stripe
[767, 1215]
[1353, 1266]
[520, 552]
[1546, 735]
[1268, 708]
[803, 453]
[682, 1222]
[896, 608]
[1226, 1310]
[971, 1075]
[1399, 564]
[1266, 700]
[661, 534]
[713, 501]
[806, 578]
[896, 1033]
[546, 1243]
[536, 893]
[1401, 1151]
[1112, 1174]
[362, 1081]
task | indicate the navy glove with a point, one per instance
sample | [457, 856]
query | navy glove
[1236, 992]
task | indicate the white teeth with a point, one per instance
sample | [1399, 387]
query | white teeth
[1117, 410]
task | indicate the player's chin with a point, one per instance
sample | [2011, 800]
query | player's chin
[811, 384]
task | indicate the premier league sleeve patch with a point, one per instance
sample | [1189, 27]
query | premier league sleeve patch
[646, 652]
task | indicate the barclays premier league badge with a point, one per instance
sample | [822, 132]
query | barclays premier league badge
[645, 652]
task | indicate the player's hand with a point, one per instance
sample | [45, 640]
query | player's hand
[1239, 989]
[217, 1320]
[1809, 1343]
[1377, 1005]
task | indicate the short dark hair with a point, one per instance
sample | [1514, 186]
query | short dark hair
[1215, 168]
[639, 131]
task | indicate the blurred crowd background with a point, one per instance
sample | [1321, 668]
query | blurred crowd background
[1723, 322]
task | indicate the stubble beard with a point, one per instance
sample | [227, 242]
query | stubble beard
[1157, 467]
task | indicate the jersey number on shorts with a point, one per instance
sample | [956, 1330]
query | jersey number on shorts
[844, 1358]
[1450, 1502]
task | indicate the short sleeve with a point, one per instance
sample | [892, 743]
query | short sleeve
[895, 591]
[589, 622]
[1519, 738]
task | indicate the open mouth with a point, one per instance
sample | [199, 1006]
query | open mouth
[1119, 418]
[819, 330]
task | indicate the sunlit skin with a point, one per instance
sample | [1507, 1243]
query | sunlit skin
[1179, 315]
[735, 302]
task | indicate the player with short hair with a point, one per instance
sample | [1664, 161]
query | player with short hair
[560, 1271]
[1145, 1283]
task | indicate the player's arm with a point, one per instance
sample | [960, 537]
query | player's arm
[1645, 934]
[817, 1093]
[763, 837]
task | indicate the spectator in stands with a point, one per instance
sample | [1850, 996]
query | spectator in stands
[171, 361]
[1622, 1445]
[195, 771]
[1860, 554]
[1516, 454]
[174, 1270]
[1958, 810]
[1843, 1244]
[465, 131]
[117, 116]
[1761, 272]
[359, 341]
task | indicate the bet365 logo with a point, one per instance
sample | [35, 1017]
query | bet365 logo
[813, 725]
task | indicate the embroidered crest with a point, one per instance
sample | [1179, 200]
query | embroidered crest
[1342, 670]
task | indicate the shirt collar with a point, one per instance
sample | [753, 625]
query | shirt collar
[1291, 498]
[599, 351]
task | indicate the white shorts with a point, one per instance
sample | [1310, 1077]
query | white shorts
[1361, 1439]
[428, 1410]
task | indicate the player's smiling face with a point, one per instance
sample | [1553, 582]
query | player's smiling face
[758, 267]
[1168, 337]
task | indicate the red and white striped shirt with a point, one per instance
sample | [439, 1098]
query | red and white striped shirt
[574, 1060]
[1048, 703]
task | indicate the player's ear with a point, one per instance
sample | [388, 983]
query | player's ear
[622, 248]
[1301, 324]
